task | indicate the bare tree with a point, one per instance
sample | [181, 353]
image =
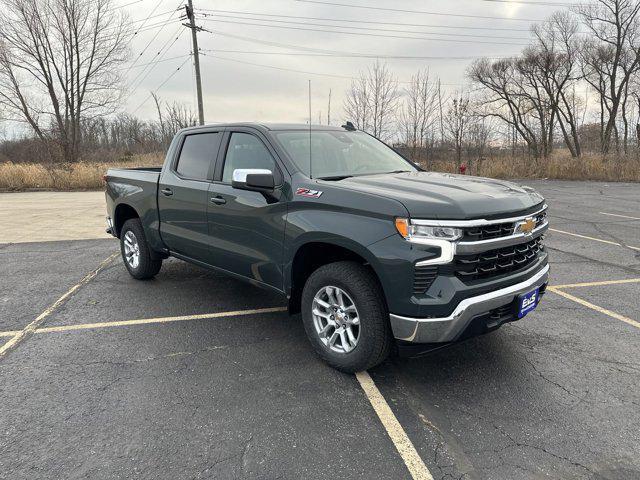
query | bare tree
[356, 103]
[511, 94]
[176, 116]
[418, 114]
[372, 100]
[59, 65]
[610, 56]
[555, 54]
[456, 123]
[480, 133]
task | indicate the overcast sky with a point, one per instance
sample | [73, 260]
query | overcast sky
[235, 90]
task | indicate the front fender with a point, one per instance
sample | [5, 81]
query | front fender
[347, 230]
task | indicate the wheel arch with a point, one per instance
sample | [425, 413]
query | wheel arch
[122, 213]
[312, 254]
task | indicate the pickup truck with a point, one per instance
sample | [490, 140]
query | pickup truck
[376, 254]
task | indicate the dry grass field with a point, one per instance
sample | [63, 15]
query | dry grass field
[560, 166]
[66, 177]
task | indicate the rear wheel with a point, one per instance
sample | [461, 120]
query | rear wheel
[345, 316]
[141, 262]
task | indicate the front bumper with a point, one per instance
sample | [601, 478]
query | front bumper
[450, 328]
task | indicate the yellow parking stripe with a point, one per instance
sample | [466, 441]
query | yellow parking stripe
[32, 327]
[611, 314]
[407, 451]
[593, 238]
[621, 216]
[598, 284]
[146, 321]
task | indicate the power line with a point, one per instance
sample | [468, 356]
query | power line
[159, 55]
[153, 38]
[372, 22]
[135, 60]
[440, 14]
[533, 2]
[433, 39]
[161, 85]
[365, 28]
[311, 49]
[304, 72]
[158, 61]
[153, 16]
[126, 5]
[348, 55]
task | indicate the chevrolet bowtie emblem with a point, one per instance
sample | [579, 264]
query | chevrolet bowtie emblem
[526, 226]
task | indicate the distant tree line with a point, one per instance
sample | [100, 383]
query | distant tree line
[575, 87]
[533, 99]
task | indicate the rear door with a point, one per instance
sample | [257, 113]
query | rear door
[183, 194]
[247, 228]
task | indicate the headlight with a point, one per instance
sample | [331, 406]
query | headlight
[423, 232]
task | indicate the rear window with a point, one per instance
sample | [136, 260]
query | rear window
[197, 154]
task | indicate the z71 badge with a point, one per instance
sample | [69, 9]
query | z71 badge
[305, 192]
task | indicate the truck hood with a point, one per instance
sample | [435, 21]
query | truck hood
[445, 196]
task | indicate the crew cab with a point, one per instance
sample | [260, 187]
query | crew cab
[376, 254]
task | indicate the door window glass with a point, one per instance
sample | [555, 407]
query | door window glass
[198, 151]
[246, 151]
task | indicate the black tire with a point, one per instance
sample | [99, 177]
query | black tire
[360, 284]
[149, 262]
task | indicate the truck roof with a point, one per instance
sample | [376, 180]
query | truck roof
[269, 126]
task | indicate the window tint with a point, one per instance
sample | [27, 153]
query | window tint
[198, 151]
[246, 151]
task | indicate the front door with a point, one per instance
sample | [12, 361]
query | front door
[247, 228]
[183, 195]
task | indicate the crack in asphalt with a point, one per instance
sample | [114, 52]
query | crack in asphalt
[552, 382]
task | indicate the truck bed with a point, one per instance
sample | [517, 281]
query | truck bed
[138, 188]
[141, 176]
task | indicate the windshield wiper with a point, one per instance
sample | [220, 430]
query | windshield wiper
[342, 177]
[335, 178]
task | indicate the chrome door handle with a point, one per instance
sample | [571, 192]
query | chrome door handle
[218, 200]
[167, 192]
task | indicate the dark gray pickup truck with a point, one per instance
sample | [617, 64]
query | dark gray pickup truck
[375, 253]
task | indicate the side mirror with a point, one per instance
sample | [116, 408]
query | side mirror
[254, 179]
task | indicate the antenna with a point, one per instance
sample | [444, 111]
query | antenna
[310, 171]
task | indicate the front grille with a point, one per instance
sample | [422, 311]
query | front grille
[496, 230]
[487, 232]
[494, 263]
[423, 277]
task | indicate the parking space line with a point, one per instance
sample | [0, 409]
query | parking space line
[9, 333]
[146, 321]
[597, 284]
[621, 216]
[594, 239]
[407, 451]
[611, 314]
[33, 326]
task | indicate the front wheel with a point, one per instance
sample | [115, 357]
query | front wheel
[345, 316]
[140, 260]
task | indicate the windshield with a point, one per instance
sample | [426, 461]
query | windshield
[341, 154]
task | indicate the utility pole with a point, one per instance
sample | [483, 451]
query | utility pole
[329, 109]
[196, 57]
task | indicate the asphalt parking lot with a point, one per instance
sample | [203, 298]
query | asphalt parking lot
[195, 375]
